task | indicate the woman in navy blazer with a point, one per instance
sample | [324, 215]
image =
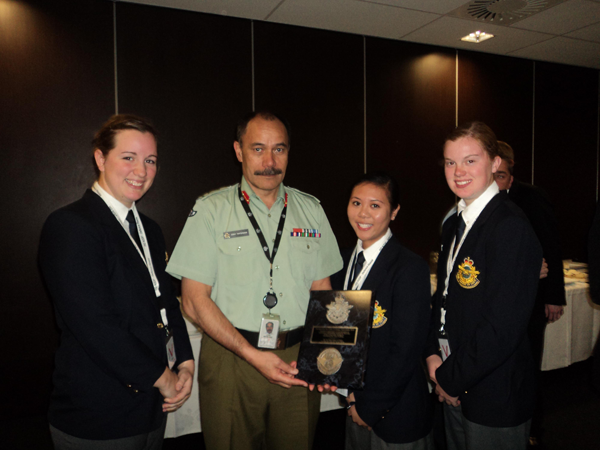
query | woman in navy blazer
[478, 353]
[114, 305]
[393, 407]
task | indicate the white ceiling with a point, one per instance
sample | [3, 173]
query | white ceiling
[567, 31]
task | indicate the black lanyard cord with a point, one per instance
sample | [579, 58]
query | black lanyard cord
[259, 233]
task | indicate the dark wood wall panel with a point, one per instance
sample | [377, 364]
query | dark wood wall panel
[566, 142]
[410, 109]
[190, 73]
[315, 79]
[498, 90]
[56, 86]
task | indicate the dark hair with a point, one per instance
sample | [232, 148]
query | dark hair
[242, 124]
[506, 152]
[104, 140]
[480, 132]
[383, 180]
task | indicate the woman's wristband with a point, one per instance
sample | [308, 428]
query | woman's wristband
[350, 405]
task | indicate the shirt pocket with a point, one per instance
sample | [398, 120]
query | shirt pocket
[241, 259]
[304, 258]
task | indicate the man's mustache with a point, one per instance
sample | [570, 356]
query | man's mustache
[269, 171]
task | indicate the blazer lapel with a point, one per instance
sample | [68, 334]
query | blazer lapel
[380, 269]
[115, 229]
[485, 214]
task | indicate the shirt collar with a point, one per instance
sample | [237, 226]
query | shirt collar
[472, 211]
[374, 249]
[119, 208]
[246, 187]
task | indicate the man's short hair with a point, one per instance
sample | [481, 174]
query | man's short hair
[507, 154]
[242, 124]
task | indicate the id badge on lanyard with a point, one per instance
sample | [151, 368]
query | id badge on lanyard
[171, 356]
[443, 339]
[269, 331]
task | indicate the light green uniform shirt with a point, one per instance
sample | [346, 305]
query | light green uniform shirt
[237, 268]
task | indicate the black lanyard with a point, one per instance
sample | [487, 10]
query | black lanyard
[245, 200]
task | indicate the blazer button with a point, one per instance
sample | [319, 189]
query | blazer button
[128, 385]
[160, 325]
[136, 391]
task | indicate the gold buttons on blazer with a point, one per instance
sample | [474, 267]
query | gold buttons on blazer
[159, 325]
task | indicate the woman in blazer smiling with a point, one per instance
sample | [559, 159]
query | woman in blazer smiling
[124, 358]
[478, 353]
[392, 411]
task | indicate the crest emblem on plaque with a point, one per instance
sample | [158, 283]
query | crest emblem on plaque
[338, 310]
[329, 361]
[467, 274]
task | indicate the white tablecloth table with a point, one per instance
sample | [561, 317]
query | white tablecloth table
[572, 338]
[186, 420]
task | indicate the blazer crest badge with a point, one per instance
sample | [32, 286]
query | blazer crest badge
[467, 274]
[379, 318]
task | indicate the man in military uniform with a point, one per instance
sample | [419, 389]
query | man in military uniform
[251, 253]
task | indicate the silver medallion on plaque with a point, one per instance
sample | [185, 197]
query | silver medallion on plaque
[329, 361]
[338, 310]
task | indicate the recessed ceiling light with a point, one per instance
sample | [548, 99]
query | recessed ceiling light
[477, 37]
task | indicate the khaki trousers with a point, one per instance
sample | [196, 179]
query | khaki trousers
[241, 410]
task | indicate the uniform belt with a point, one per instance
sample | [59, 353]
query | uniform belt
[286, 339]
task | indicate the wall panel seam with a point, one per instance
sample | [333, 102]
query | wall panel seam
[533, 130]
[252, 64]
[598, 139]
[115, 58]
[365, 103]
[456, 90]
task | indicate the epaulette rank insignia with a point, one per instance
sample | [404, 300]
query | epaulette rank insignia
[467, 274]
[379, 318]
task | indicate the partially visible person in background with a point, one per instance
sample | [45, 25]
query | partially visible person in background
[478, 353]
[393, 410]
[124, 359]
[550, 299]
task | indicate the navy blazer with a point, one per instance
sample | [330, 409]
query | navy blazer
[490, 368]
[111, 351]
[395, 400]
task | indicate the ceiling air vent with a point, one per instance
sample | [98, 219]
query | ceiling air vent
[502, 12]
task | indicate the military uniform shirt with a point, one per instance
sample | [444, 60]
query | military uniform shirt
[237, 268]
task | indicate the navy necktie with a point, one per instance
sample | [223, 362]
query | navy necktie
[460, 230]
[133, 229]
[358, 265]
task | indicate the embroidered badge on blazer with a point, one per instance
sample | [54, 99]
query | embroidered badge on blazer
[379, 318]
[467, 274]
